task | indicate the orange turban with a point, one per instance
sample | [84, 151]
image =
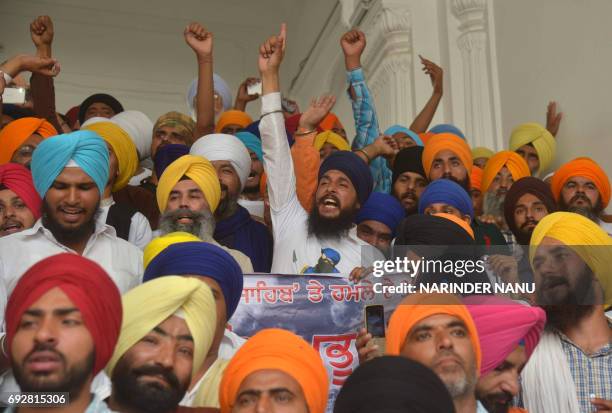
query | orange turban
[233, 117]
[442, 141]
[329, 122]
[586, 168]
[425, 136]
[511, 160]
[276, 349]
[466, 227]
[15, 133]
[476, 178]
[416, 307]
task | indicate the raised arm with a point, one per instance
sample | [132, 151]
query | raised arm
[243, 97]
[423, 119]
[201, 42]
[553, 119]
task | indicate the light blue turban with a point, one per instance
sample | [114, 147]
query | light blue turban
[85, 148]
[219, 85]
[447, 128]
[399, 128]
[252, 143]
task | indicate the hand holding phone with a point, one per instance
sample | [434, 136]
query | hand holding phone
[375, 325]
[14, 95]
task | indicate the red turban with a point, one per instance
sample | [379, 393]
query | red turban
[86, 284]
[18, 179]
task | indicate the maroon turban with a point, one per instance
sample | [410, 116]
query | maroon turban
[18, 179]
[86, 284]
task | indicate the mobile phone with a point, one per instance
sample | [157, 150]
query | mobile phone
[375, 320]
[255, 89]
[14, 95]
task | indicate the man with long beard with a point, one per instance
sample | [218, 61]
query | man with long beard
[582, 186]
[344, 184]
[570, 369]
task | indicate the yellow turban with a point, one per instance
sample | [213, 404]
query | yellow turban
[330, 137]
[541, 139]
[123, 147]
[159, 244]
[148, 305]
[197, 168]
[583, 236]
[442, 141]
[233, 117]
[482, 152]
[511, 160]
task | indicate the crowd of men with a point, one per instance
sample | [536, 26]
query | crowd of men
[123, 245]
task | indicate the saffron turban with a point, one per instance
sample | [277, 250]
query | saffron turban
[502, 325]
[222, 147]
[159, 244]
[15, 133]
[583, 236]
[196, 168]
[276, 349]
[425, 136]
[541, 139]
[393, 384]
[330, 137]
[526, 185]
[198, 258]
[252, 142]
[382, 208]
[482, 152]
[416, 307]
[148, 305]
[354, 168]
[123, 147]
[476, 178]
[18, 179]
[184, 125]
[233, 117]
[447, 141]
[85, 148]
[466, 227]
[447, 128]
[401, 129]
[409, 160]
[220, 87]
[99, 98]
[166, 155]
[514, 162]
[445, 191]
[139, 128]
[89, 288]
[330, 121]
[586, 168]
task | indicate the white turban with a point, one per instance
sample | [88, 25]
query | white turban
[96, 119]
[222, 147]
[219, 85]
[139, 127]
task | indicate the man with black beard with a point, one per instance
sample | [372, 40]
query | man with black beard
[188, 194]
[409, 179]
[344, 183]
[582, 186]
[570, 369]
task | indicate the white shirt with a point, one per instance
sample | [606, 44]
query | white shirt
[140, 230]
[606, 226]
[120, 259]
[136, 179]
[294, 249]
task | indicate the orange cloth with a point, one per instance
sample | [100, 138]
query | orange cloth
[517, 410]
[476, 178]
[416, 307]
[233, 117]
[511, 160]
[276, 349]
[16, 132]
[425, 136]
[586, 168]
[263, 185]
[306, 161]
[457, 221]
[329, 122]
[443, 141]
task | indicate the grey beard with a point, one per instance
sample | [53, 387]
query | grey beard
[203, 225]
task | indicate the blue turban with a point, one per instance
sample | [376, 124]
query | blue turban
[354, 168]
[445, 191]
[204, 259]
[382, 208]
[168, 154]
[252, 143]
[447, 128]
[84, 147]
[399, 128]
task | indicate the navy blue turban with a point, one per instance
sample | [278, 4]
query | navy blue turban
[168, 154]
[354, 168]
[382, 208]
[445, 191]
[204, 259]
